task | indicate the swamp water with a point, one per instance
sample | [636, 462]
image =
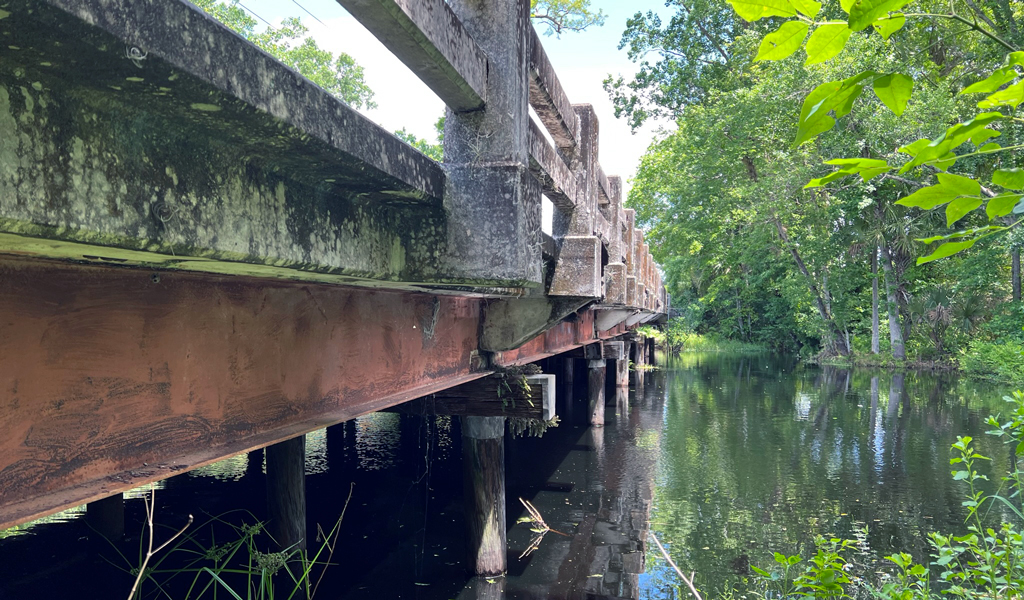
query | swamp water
[727, 458]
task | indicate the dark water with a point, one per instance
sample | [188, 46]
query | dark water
[727, 458]
[759, 455]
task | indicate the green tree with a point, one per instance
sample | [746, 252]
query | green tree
[565, 15]
[289, 43]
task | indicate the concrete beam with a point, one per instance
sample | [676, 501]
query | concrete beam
[555, 178]
[603, 187]
[548, 98]
[614, 350]
[615, 283]
[578, 268]
[507, 324]
[608, 318]
[428, 37]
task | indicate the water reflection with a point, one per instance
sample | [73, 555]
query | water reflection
[761, 455]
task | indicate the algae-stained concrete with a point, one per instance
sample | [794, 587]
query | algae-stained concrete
[145, 126]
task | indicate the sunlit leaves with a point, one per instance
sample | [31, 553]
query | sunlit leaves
[945, 250]
[827, 41]
[889, 25]
[807, 7]
[958, 209]
[993, 82]
[752, 10]
[867, 168]
[864, 12]
[894, 91]
[1011, 96]
[949, 188]
[783, 42]
[1009, 178]
[1002, 205]
[940, 149]
[984, 135]
[835, 96]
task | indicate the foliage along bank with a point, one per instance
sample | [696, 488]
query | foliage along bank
[752, 254]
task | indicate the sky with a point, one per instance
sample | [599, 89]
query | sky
[582, 61]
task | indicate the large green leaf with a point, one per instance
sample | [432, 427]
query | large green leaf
[958, 209]
[1011, 96]
[752, 10]
[889, 25]
[993, 82]
[984, 135]
[894, 91]
[1015, 58]
[833, 95]
[846, 5]
[1009, 178]
[867, 168]
[864, 12]
[947, 249]
[807, 7]
[782, 42]
[827, 41]
[949, 188]
[941, 147]
[1001, 205]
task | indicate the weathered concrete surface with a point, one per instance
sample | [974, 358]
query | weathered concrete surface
[106, 370]
[508, 324]
[428, 37]
[548, 98]
[578, 268]
[489, 188]
[189, 145]
[557, 181]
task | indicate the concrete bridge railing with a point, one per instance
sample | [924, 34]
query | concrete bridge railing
[202, 252]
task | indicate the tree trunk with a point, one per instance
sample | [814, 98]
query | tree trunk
[875, 342]
[899, 351]
[1015, 273]
[739, 315]
[836, 342]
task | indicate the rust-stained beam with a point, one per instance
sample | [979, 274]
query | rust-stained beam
[498, 395]
[428, 37]
[113, 378]
[548, 98]
[556, 180]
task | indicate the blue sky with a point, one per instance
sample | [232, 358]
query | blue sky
[582, 61]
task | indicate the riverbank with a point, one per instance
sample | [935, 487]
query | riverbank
[983, 361]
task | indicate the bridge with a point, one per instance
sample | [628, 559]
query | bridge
[202, 253]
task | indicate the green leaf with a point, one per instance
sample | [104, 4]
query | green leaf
[887, 26]
[832, 95]
[1001, 205]
[947, 249]
[964, 186]
[807, 7]
[846, 5]
[990, 147]
[1011, 96]
[893, 90]
[945, 161]
[1015, 58]
[993, 82]
[752, 10]
[928, 198]
[958, 209]
[820, 181]
[1009, 178]
[949, 188]
[782, 42]
[864, 12]
[984, 135]
[827, 41]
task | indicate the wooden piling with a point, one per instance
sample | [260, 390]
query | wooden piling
[622, 373]
[107, 516]
[286, 493]
[483, 471]
[596, 383]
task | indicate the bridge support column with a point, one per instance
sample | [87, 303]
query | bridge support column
[596, 383]
[107, 516]
[286, 493]
[483, 471]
